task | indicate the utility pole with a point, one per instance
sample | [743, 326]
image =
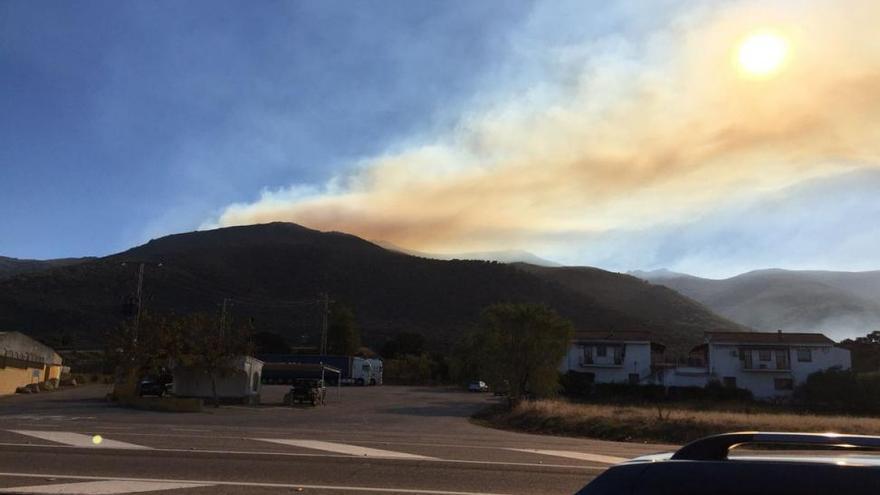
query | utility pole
[325, 314]
[140, 292]
[223, 317]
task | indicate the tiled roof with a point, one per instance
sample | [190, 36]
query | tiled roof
[767, 338]
[615, 336]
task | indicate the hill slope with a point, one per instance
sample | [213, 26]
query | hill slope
[841, 304]
[682, 318]
[10, 267]
[267, 269]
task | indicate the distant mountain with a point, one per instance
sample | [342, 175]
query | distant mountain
[660, 274]
[681, 317]
[13, 266]
[504, 256]
[840, 304]
[272, 273]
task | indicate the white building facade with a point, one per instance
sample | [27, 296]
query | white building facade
[768, 364]
[613, 357]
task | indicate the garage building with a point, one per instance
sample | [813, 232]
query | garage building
[24, 361]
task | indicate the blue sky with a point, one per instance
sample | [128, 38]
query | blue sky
[610, 135]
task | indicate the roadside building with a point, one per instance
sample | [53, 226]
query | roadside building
[240, 383]
[613, 357]
[768, 364]
[24, 361]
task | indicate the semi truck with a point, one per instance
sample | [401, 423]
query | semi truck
[353, 370]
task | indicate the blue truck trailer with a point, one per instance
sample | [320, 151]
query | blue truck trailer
[354, 370]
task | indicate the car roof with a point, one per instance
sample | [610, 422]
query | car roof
[848, 449]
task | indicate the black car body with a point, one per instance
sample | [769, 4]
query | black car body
[705, 467]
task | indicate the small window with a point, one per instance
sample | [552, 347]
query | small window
[588, 355]
[730, 381]
[733, 353]
[633, 378]
[601, 351]
[805, 355]
[783, 384]
[764, 355]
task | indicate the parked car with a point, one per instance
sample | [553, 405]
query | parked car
[154, 387]
[705, 467]
[501, 390]
[478, 386]
[158, 386]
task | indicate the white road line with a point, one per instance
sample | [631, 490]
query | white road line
[78, 439]
[105, 487]
[582, 456]
[337, 456]
[370, 489]
[342, 448]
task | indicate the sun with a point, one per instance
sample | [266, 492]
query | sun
[762, 54]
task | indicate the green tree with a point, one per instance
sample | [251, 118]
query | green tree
[343, 336]
[212, 348]
[136, 349]
[519, 347]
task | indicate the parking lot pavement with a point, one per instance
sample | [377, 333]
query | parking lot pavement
[369, 439]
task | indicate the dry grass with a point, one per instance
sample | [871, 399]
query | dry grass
[644, 423]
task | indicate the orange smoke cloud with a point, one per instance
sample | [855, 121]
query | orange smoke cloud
[631, 145]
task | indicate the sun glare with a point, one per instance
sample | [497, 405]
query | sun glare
[761, 54]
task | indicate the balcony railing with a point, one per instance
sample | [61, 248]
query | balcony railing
[766, 367]
[586, 363]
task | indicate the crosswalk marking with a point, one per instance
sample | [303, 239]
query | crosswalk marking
[78, 439]
[342, 448]
[108, 487]
[605, 459]
[291, 486]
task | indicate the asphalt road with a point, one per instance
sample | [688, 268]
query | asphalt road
[383, 439]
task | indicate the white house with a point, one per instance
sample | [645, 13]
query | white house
[242, 382]
[606, 357]
[767, 364]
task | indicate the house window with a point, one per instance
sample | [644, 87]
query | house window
[764, 355]
[730, 381]
[733, 353]
[782, 360]
[805, 355]
[601, 351]
[783, 384]
[588, 355]
[633, 378]
[255, 385]
[618, 355]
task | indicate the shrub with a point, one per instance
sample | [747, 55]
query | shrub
[840, 390]
[581, 385]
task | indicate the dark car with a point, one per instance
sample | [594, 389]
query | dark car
[707, 466]
[157, 386]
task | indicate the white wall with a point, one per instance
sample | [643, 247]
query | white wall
[685, 376]
[636, 359]
[191, 382]
[722, 363]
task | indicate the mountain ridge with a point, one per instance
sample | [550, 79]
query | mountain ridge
[841, 304]
[267, 271]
